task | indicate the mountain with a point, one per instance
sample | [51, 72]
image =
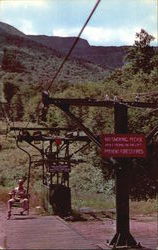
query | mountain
[108, 57]
[24, 60]
[60, 43]
[6, 28]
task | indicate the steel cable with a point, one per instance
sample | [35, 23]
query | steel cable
[74, 44]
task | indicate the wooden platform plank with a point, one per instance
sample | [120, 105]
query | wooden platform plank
[47, 232]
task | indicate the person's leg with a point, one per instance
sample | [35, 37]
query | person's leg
[10, 202]
[25, 205]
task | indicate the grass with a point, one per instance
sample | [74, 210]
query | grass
[104, 203]
[92, 200]
[144, 208]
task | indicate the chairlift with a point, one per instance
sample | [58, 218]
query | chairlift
[55, 157]
[19, 200]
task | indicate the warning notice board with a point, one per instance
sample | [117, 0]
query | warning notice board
[123, 145]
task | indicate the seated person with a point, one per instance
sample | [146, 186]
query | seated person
[18, 194]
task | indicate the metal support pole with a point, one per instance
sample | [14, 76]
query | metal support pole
[122, 236]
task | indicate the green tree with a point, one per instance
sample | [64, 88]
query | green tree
[141, 53]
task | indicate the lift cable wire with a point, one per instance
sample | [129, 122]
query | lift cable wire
[74, 44]
[67, 56]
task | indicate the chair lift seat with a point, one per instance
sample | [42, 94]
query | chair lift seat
[17, 204]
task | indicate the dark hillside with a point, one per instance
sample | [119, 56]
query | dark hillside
[108, 57]
[39, 66]
[59, 43]
[6, 28]
[39, 61]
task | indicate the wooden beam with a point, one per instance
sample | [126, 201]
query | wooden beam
[94, 102]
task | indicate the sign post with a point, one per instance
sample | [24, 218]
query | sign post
[123, 146]
[122, 236]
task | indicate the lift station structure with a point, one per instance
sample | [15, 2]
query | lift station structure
[56, 157]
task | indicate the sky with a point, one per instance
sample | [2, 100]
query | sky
[114, 23]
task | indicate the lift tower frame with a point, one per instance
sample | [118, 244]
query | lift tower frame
[123, 236]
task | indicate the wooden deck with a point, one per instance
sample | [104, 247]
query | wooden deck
[47, 232]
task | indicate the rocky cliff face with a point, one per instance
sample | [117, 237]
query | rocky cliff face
[59, 43]
[107, 57]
